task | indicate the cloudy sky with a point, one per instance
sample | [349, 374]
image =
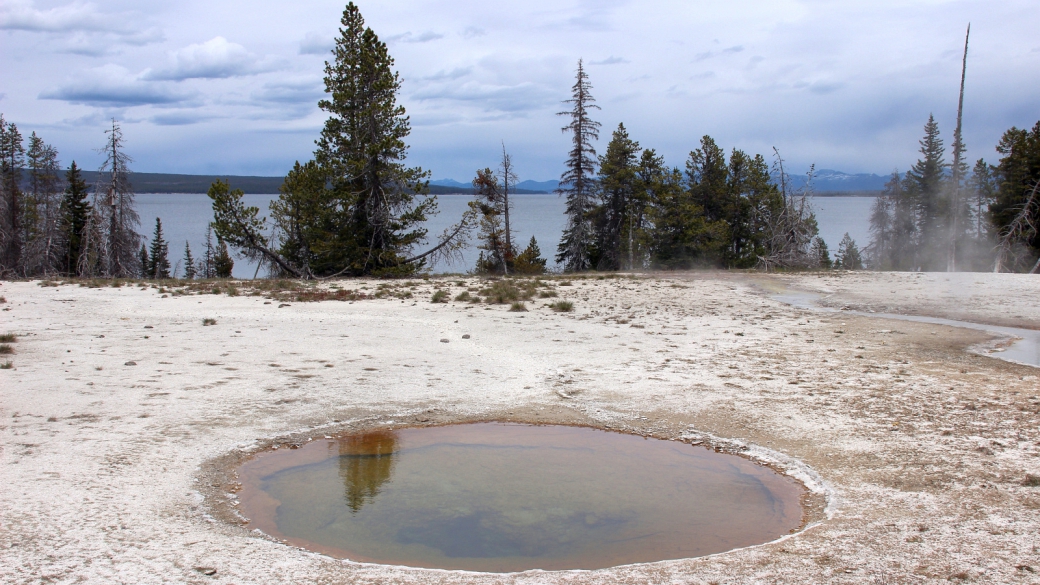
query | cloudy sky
[231, 87]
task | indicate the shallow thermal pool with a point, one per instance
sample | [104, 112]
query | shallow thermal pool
[508, 497]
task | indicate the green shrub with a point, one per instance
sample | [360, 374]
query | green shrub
[562, 306]
[439, 296]
[464, 296]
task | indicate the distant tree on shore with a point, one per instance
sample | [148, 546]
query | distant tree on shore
[848, 257]
[614, 219]
[577, 182]
[530, 260]
[158, 265]
[190, 268]
[223, 263]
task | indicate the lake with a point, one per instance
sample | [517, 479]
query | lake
[185, 216]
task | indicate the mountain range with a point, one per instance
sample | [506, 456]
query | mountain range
[825, 182]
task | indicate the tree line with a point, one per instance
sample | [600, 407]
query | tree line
[945, 216]
[54, 224]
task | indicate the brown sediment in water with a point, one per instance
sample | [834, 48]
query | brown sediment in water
[539, 521]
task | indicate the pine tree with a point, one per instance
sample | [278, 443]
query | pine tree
[209, 256]
[530, 261]
[41, 222]
[983, 189]
[880, 248]
[159, 254]
[1018, 172]
[223, 264]
[848, 257]
[577, 183]
[488, 204]
[114, 197]
[509, 179]
[927, 183]
[615, 217]
[821, 254]
[144, 261]
[189, 263]
[12, 159]
[75, 210]
[362, 150]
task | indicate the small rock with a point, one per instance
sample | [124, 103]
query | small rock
[149, 327]
[130, 363]
[444, 341]
[209, 571]
[284, 305]
[466, 336]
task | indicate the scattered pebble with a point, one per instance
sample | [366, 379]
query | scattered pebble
[130, 363]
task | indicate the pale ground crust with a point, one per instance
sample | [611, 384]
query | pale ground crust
[919, 449]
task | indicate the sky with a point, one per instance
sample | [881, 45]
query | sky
[231, 87]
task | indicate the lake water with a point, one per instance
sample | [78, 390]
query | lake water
[507, 497]
[185, 217]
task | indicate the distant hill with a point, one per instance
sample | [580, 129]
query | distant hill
[444, 186]
[827, 181]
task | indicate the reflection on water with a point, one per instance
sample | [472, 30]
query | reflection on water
[365, 464]
[503, 497]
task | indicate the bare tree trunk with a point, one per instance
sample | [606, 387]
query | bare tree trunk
[958, 151]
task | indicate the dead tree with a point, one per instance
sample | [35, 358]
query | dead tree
[790, 225]
[114, 194]
[955, 180]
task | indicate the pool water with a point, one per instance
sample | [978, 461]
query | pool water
[507, 497]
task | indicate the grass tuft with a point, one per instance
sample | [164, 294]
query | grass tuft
[464, 296]
[562, 306]
[518, 307]
[8, 338]
[7, 366]
[1031, 481]
[439, 296]
[207, 322]
[6, 349]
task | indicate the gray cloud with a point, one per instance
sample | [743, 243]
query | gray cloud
[612, 60]
[182, 118]
[457, 73]
[20, 15]
[512, 100]
[307, 91]
[216, 58]
[113, 86]
[408, 37]
[471, 32]
[316, 44]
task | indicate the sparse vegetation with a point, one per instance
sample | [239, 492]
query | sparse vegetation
[6, 349]
[464, 297]
[8, 338]
[208, 321]
[439, 296]
[562, 306]
[6, 366]
[518, 307]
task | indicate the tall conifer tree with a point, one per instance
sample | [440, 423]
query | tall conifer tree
[159, 254]
[614, 218]
[12, 159]
[577, 182]
[75, 211]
